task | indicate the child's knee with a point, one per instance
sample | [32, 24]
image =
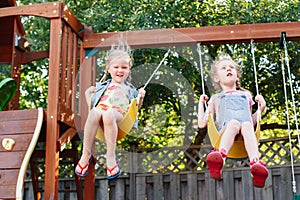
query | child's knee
[94, 114]
[234, 125]
[247, 126]
[108, 117]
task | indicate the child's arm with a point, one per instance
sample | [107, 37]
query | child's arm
[262, 104]
[142, 94]
[202, 119]
[88, 95]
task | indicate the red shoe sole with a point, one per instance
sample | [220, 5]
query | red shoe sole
[259, 174]
[215, 163]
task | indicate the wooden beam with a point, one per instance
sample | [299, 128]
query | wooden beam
[47, 10]
[72, 21]
[244, 33]
[32, 56]
[66, 138]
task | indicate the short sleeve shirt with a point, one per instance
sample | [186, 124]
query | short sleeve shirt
[116, 96]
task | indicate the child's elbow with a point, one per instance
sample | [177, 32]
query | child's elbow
[202, 124]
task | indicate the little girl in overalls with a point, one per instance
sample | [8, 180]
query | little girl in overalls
[232, 108]
[110, 102]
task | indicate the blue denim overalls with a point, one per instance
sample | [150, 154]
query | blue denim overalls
[233, 106]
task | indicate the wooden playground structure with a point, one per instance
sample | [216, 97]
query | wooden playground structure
[69, 41]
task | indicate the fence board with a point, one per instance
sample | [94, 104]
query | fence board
[192, 186]
[228, 185]
[120, 189]
[247, 188]
[102, 190]
[174, 186]
[158, 187]
[235, 185]
[141, 187]
[285, 183]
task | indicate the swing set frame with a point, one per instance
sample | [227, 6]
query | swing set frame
[65, 31]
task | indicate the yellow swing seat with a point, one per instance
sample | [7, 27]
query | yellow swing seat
[238, 150]
[125, 125]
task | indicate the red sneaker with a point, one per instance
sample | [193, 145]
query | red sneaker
[259, 173]
[215, 163]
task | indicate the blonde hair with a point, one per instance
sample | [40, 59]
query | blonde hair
[120, 51]
[213, 71]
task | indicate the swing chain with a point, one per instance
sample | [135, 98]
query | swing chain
[255, 72]
[201, 70]
[148, 81]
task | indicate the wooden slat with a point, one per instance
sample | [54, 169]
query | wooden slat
[192, 186]
[229, 186]
[73, 22]
[70, 66]
[141, 187]
[8, 177]
[21, 141]
[13, 160]
[64, 48]
[175, 186]
[7, 192]
[102, 191]
[75, 72]
[247, 189]
[120, 189]
[8, 183]
[47, 10]
[266, 32]
[158, 186]
[18, 115]
[17, 126]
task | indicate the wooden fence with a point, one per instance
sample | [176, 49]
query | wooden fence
[235, 185]
[180, 173]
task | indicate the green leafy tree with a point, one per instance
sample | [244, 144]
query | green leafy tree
[108, 16]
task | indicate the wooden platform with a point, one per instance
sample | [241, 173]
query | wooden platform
[21, 127]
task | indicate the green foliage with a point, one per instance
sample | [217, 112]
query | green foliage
[161, 114]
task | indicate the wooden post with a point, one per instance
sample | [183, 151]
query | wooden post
[52, 153]
[15, 68]
[132, 171]
[87, 77]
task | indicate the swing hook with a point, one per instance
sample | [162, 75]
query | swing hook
[282, 40]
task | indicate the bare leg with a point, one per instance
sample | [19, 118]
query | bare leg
[232, 129]
[250, 140]
[90, 130]
[110, 119]
[215, 159]
[259, 172]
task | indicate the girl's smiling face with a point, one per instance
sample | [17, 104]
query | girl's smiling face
[119, 69]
